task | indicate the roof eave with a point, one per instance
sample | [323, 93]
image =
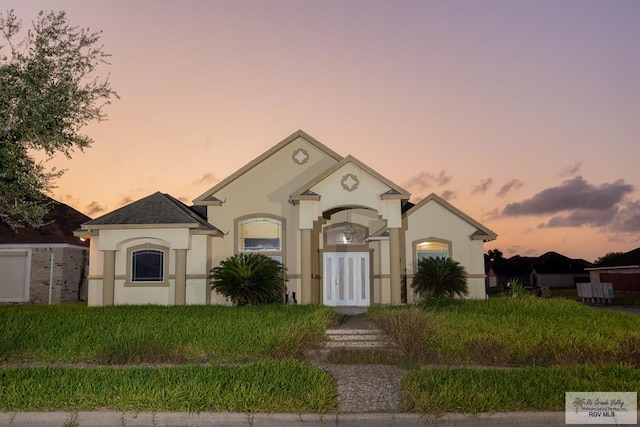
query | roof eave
[91, 227]
[617, 267]
[299, 197]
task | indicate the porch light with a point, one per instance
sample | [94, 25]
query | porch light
[348, 232]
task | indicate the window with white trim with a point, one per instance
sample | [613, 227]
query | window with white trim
[432, 249]
[261, 234]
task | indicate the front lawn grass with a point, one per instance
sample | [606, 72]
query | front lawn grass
[523, 331]
[628, 299]
[525, 352]
[154, 334]
[287, 386]
[474, 391]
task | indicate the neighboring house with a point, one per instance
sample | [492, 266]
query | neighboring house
[45, 265]
[346, 234]
[553, 270]
[501, 272]
[549, 270]
[623, 271]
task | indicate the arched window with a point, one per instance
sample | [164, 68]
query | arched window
[261, 234]
[147, 265]
[432, 249]
[345, 233]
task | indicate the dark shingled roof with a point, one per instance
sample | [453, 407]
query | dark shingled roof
[555, 263]
[548, 263]
[406, 206]
[626, 259]
[60, 223]
[511, 267]
[157, 208]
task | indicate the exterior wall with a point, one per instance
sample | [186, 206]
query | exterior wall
[244, 196]
[198, 249]
[558, 280]
[382, 277]
[127, 293]
[432, 220]
[366, 193]
[67, 283]
[96, 268]
[623, 279]
[198, 291]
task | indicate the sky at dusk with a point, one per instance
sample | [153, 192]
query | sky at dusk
[523, 114]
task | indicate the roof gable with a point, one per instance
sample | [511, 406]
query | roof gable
[394, 191]
[481, 233]
[156, 209]
[208, 198]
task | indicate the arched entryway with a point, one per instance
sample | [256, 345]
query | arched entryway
[347, 185]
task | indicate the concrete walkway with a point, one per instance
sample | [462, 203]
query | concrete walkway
[362, 388]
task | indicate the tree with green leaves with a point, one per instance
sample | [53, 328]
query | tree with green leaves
[49, 90]
[438, 277]
[607, 257]
[495, 255]
[249, 279]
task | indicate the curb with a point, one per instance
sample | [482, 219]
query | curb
[234, 419]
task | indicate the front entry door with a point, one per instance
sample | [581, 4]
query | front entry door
[346, 279]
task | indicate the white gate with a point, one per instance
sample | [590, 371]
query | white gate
[346, 279]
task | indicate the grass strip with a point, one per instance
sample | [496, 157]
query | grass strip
[524, 331]
[467, 390]
[156, 334]
[288, 386]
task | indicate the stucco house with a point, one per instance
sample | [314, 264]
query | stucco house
[554, 270]
[502, 271]
[347, 235]
[44, 265]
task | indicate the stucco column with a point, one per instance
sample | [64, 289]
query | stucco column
[108, 277]
[394, 265]
[181, 277]
[305, 266]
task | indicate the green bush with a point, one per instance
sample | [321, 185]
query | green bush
[249, 279]
[440, 277]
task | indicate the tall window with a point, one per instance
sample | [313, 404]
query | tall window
[147, 265]
[261, 234]
[432, 249]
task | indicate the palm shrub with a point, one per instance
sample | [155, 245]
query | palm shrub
[516, 288]
[438, 277]
[249, 279]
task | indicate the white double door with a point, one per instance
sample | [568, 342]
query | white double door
[346, 279]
